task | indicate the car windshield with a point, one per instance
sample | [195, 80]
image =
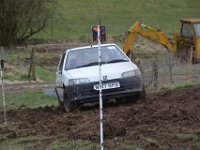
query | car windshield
[89, 57]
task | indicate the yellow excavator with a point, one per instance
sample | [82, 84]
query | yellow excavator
[186, 44]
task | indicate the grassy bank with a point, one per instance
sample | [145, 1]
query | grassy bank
[73, 19]
[30, 99]
[18, 63]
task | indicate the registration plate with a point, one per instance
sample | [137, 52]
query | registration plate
[104, 86]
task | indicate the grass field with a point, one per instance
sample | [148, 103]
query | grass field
[30, 99]
[73, 19]
[18, 62]
[58, 144]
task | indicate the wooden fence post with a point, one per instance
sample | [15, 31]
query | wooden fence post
[31, 73]
[170, 69]
[155, 73]
[190, 63]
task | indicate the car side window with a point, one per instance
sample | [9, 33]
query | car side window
[61, 63]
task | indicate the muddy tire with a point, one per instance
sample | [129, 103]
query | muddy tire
[121, 101]
[60, 103]
[142, 95]
[67, 103]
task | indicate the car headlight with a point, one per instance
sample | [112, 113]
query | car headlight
[78, 81]
[131, 73]
[137, 72]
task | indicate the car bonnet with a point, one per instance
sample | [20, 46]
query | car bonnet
[111, 71]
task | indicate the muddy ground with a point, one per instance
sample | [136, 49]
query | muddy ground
[169, 120]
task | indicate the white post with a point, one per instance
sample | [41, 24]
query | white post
[100, 94]
[2, 86]
[4, 100]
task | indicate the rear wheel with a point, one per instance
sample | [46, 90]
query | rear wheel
[60, 103]
[67, 103]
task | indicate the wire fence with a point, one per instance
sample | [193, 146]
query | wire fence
[163, 71]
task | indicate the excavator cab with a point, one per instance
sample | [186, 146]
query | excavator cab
[190, 28]
[189, 43]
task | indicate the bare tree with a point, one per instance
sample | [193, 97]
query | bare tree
[21, 19]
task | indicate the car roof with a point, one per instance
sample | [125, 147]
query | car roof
[90, 46]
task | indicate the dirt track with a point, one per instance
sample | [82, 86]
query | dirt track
[17, 87]
[165, 121]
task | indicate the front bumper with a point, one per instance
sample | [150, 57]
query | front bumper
[86, 93]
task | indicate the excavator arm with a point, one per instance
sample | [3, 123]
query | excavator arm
[150, 33]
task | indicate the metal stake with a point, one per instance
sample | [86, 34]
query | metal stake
[100, 94]
[4, 100]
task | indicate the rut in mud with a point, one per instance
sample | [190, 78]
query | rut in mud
[169, 120]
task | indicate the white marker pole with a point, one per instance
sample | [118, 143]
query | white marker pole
[4, 100]
[2, 86]
[100, 93]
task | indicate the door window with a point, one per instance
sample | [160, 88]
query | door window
[187, 31]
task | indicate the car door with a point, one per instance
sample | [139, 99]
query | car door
[59, 78]
[59, 81]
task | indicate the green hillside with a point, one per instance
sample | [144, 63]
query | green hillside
[74, 18]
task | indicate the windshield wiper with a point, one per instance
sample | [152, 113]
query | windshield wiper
[87, 65]
[118, 60]
[96, 63]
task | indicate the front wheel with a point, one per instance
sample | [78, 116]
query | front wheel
[142, 95]
[68, 104]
